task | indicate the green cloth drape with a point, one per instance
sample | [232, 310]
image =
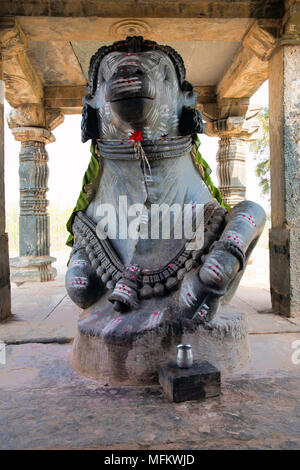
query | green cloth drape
[216, 193]
[93, 170]
[82, 202]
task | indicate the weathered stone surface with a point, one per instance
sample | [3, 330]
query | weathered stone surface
[285, 181]
[35, 119]
[47, 405]
[41, 313]
[284, 272]
[223, 343]
[153, 8]
[201, 381]
[249, 68]
[22, 84]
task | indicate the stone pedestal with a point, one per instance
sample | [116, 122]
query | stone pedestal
[200, 381]
[223, 343]
[34, 262]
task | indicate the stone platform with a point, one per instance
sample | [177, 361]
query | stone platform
[46, 404]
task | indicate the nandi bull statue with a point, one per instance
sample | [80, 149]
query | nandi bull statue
[143, 292]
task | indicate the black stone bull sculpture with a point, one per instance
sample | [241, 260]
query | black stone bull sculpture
[140, 112]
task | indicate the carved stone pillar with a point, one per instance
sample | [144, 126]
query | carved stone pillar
[31, 126]
[4, 263]
[233, 132]
[284, 235]
[231, 170]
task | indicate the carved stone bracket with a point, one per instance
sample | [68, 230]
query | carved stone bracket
[22, 83]
[34, 122]
[291, 25]
[36, 134]
[262, 38]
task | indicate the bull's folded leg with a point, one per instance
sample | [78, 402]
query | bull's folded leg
[82, 283]
[227, 260]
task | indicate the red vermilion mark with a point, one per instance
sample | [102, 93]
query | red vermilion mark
[189, 294]
[155, 313]
[136, 136]
[216, 272]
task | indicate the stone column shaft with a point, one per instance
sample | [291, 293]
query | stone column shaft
[5, 303]
[33, 220]
[233, 133]
[29, 126]
[231, 170]
[284, 235]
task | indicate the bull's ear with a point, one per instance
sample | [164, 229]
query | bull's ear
[189, 95]
[190, 121]
[90, 123]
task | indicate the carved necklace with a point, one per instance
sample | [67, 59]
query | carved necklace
[131, 283]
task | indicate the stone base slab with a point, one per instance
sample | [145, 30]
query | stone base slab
[5, 302]
[32, 269]
[223, 342]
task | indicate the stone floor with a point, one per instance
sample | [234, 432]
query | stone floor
[44, 403]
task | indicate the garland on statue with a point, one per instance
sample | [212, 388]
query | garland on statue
[92, 173]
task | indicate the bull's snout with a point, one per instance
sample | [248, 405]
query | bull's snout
[127, 82]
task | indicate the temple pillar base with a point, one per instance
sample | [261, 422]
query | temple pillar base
[223, 343]
[32, 269]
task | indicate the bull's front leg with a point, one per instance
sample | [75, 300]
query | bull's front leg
[228, 256]
[82, 283]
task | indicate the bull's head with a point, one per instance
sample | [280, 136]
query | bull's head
[137, 84]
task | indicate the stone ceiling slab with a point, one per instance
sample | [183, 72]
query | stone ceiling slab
[146, 8]
[56, 63]
[112, 29]
[205, 61]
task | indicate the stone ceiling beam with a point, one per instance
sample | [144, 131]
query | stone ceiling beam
[146, 8]
[158, 29]
[22, 83]
[249, 68]
[69, 98]
[66, 98]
